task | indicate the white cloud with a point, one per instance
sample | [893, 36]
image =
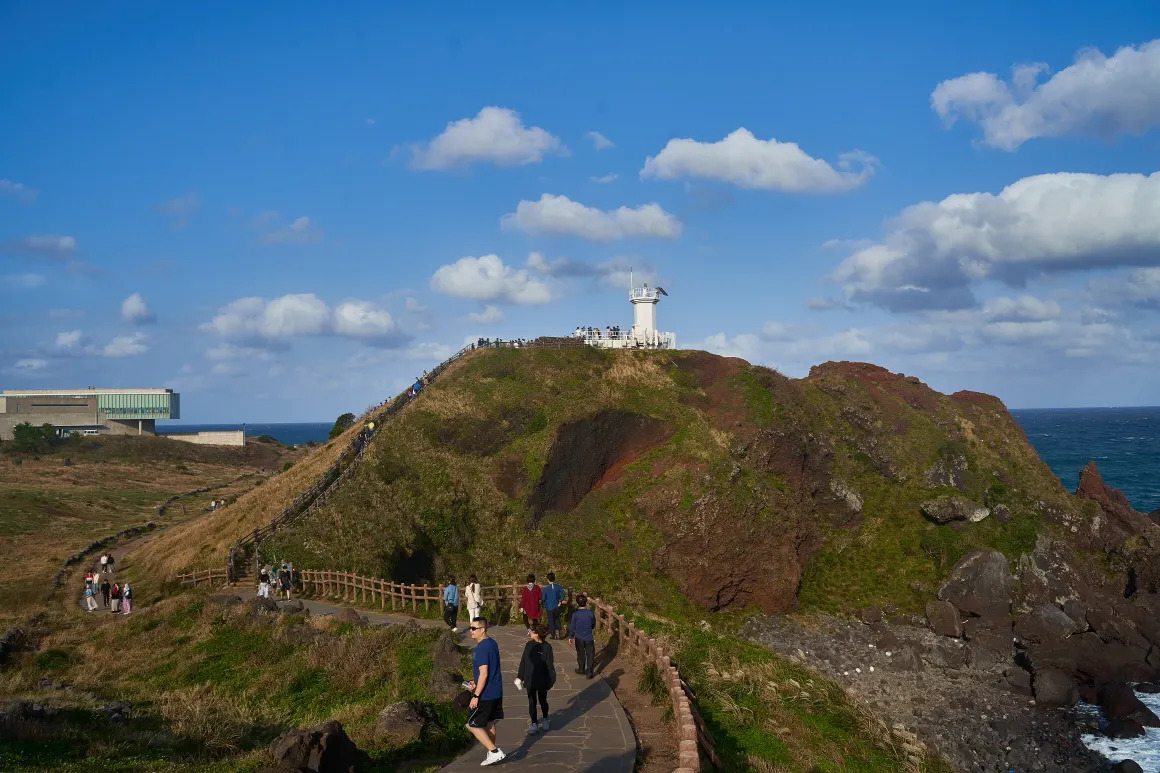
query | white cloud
[301, 230]
[125, 346]
[230, 351]
[412, 306]
[934, 252]
[560, 216]
[608, 178]
[69, 339]
[23, 281]
[261, 322]
[1100, 95]
[180, 209]
[488, 279]
[1025, 308]
[30, 364]
[135, 311]
[48, 245]
[496, 135]
[612, 273]
[488, 315]
[748, 162]
[18, 191]
[599, 141]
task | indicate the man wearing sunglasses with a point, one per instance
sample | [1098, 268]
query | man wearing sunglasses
[486, 689]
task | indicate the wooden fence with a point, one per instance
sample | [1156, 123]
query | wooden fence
[210, 576]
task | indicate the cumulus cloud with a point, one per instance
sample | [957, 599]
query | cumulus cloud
[269, 229]
[260, 322]
[413, 306]
[488, 315]
[745, 161]
[560, 216]
[488, 279]
[1098, 95]
[599, 141]
[180, 209]
[23, 281]
[69, 339]
[46, 245]
[613, 273]
[611, 177]
[14, 190]
[496, 135]
[30, 364]
[125, 346]
[1025, 308]
[934, 252]
[134, 310]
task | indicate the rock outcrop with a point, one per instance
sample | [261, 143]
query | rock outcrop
[325, 748]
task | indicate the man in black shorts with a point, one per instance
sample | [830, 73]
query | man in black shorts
[486, 691]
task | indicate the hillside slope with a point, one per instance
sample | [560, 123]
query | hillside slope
[672, 481]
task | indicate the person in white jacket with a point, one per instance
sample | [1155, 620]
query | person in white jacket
[473, 595]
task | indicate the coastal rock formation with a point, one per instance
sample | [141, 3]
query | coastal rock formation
[952, 508]
[325, 748]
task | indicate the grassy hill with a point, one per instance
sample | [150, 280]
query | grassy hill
[682, 483]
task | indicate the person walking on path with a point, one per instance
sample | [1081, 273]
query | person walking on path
[105, 590]
[112, 564]
[451, 605]
[554, 595]
[537, 672]
[104, 562]
[127, 599]
[486, 688]
[582, 628]
[90, 597]
[115, 596]
[474, 596]
[530, 599]
[264, 585]
[284, 581]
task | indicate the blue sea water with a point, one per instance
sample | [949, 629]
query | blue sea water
[1123, 442]
[290, 433]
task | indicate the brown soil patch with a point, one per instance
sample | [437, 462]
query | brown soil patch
[511, 476]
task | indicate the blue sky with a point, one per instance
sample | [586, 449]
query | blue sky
[288, 211]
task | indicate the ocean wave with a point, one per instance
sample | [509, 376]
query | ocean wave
[1145, 750]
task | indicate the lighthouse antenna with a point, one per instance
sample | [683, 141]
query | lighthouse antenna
[630, 280]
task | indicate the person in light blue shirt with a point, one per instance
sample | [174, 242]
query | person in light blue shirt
[451, 605]
[554, 595]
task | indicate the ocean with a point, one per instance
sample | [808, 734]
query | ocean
[1123, 442]
[290, 433]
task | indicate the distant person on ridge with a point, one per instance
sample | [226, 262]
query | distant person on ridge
[451, 605]
[530, 598]
[554, 595]
[486, 688]
[582, 628]
[537, 672]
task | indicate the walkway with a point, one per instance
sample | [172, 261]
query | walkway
[589, 730]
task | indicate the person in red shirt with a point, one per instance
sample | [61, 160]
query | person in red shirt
[530, 597]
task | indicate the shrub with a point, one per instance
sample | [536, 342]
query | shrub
[341, 425]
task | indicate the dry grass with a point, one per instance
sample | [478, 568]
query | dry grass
[638, 369]
[216, 719]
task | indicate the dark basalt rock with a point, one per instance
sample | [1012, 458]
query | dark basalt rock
[980, 583]
[1054, 688]
[324, 748]
[943, 618]
[1118, 702]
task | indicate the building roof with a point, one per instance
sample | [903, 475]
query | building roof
[83, 392]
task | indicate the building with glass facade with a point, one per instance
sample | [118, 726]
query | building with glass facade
[89, 411]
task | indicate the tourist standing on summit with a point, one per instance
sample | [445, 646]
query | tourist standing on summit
[451, 605]
[474, 598]
[582, 628]
[486, 688]
[554, 595]
[530, 598]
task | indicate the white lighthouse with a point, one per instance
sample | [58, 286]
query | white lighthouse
[643, 334]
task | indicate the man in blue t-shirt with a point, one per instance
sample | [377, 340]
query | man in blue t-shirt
[554, 595]
[582, 628]
[486, 688]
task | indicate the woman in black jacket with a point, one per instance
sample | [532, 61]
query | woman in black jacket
[537, 672]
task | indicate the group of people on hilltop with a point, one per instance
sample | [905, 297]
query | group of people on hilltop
[114, 596]
[610, 331]
[537, 665]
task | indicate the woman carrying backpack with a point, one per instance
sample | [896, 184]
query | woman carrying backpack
[537, 672]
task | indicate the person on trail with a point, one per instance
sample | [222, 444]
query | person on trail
[115, 597]
[127, 599]
[474, 596]
[582, 628]
[451, 605]
[537, 672]
[90, 600]
[530, 598]
[284, 581]
[105, 590]
[486, 688]
[112, 563]
[264, 585]
[554, 595]
[104, 562]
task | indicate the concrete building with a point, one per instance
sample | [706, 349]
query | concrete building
[89, 411]
[643, 334]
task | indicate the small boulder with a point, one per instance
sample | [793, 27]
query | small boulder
[870, 615]
[445, 652]
[1018, 680]
[1119, 702]
[1149, 688]
[1045, 623]
[348, 615]
[294, 607]
[324, 748]
[1127, 766]
[981, 582]
[1121, 729]
[991, 646]
[259, 606]
[948, 509]
[944, 619]
[400, 723]
[1054, 688]
[1002, 513]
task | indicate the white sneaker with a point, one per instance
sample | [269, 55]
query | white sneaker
[493, 757]
[544, 725]
[455, 630]
[533, 729]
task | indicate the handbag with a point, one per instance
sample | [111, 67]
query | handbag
[463, 700]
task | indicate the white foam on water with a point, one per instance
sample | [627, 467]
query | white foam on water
[1145, 750]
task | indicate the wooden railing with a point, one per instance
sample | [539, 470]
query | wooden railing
[210, 576]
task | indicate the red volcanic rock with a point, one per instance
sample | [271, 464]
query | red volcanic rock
[1123, 520]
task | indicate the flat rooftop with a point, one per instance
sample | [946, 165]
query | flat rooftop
[83, 392]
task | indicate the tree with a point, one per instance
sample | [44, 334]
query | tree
[341, 425]
[29, 439]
